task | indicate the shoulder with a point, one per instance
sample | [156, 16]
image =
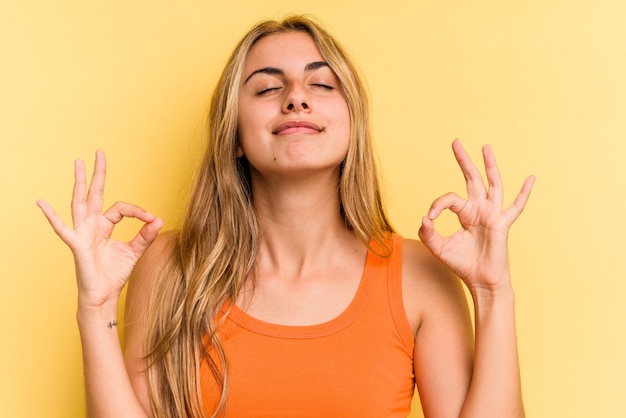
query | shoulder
[429, 288]
[420, 269]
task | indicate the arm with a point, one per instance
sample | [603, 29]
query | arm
[437, 308]
[478, 255]
[140, 287]
[102, 269]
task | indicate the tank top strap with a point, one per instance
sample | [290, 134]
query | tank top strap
[396, 301]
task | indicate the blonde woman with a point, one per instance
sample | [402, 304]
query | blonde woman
[286, 292]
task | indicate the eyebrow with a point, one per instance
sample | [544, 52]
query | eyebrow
[312, 66]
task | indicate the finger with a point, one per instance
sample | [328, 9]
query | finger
[63, 231]
[473, 179]
[121, 210]
[518, 205]
[78, 194]
[95, 196]
[430, 237]
[451, 201]
[147, 234]
[495, 191]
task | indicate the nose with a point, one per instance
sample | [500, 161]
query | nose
[292, 106]
[296, 100]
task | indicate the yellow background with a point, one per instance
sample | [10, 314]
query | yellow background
[542, 81]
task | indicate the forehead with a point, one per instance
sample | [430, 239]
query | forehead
[283, 50]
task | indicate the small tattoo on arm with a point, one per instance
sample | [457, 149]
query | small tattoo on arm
[112, 324]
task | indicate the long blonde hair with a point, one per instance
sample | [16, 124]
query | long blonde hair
[215, 249]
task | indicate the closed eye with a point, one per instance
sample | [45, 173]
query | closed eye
[323, 86]
[265, 91]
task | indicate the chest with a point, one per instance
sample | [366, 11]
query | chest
[306, 301]
[305, 379]
[357, 364]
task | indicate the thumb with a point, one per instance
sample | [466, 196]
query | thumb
[146, 235]
[429, 235]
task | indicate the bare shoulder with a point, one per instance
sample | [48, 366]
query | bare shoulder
[429, 288]
[437, 309]
[423, 272]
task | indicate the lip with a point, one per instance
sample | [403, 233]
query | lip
[296, 126]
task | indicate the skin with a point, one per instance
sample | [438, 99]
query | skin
[294, 175]
[294, 130]
[293, 119]
[103, 266]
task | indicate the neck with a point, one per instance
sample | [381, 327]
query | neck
[300, 220]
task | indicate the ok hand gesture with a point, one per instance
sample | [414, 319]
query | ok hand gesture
[103, 264]
[477, 252]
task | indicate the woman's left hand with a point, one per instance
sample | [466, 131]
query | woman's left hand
[477, 253]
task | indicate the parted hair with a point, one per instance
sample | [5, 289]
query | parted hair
[214, 250]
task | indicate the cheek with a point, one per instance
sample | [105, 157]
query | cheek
[251, 135]
[242, 136]
[252, 118]
[245, 124]
[345, 126]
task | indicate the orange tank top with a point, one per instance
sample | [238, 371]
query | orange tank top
[359, 364]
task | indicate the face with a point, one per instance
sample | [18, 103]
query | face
[293, 117]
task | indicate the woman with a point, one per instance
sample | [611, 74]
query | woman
[285, 292]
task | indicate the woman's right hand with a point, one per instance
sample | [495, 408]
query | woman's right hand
[103, 264]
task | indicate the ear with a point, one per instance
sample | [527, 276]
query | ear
[239, 152]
